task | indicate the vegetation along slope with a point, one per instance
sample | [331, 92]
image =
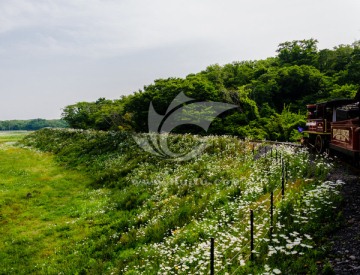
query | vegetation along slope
[93, 202]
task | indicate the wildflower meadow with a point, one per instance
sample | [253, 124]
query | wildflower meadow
[261, 208]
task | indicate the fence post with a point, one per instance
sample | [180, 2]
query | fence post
[271, 213]
[212, 258]
[282, 180]
[252, 234]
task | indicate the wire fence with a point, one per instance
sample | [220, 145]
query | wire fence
[259, 216]
[261, 224]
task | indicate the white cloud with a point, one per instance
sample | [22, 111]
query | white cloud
[99, 28]
[118, 27]
[107, 28]
[75, 50]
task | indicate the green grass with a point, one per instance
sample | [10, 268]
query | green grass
[44, 210]
[95, 203]
[10, 137]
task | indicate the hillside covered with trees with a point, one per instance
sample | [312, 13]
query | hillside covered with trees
[271, 94]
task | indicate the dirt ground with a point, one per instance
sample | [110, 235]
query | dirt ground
[345, 252]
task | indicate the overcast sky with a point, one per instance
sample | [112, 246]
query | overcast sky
[56, 53]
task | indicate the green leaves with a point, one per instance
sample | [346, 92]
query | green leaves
[298, 52]
[283, 126]
[300, 74]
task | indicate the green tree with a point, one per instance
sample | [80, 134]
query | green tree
[79, 115]
[344, 91]
[298, 52]
[108, 114]
[300, 74]
[283, 126]
[215, 74]
[162, 93]
[238, 74]
[297, 83]
[354, 66]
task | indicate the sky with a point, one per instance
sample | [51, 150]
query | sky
[57, 53]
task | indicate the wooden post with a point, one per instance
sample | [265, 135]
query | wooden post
[271, 213]
[282, 179]
[252, 234]
[212, 256]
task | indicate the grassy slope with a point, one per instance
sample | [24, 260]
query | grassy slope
[67, 226]
[44, 209]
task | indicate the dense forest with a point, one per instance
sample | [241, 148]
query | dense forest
[32, 124]
[271, 94]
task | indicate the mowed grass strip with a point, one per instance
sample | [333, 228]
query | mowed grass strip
[44, 208]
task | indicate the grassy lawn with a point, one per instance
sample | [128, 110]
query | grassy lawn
[44, 209]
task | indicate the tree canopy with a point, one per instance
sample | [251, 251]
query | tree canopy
[271, 93]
